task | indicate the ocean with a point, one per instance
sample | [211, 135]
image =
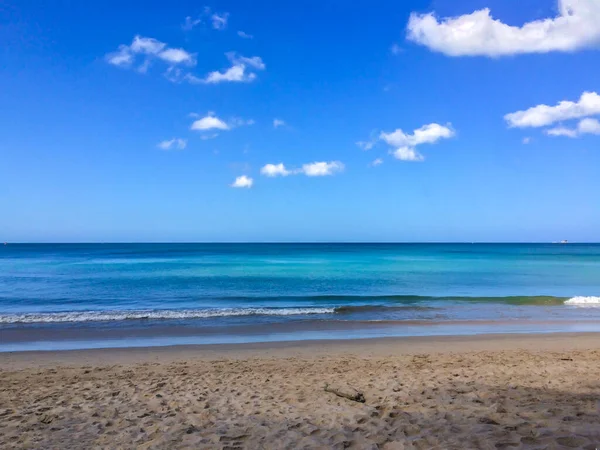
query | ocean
[70, 296]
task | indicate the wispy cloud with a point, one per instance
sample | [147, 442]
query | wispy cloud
[244, 35]
[366, 145]
[216, 20]
[278, 123]
[239, 122]
[173, 144]
[479, 34]
[243, 182]
[189, 23]
[219, 20]
[376, 162]
[396, 49]
[315, 169]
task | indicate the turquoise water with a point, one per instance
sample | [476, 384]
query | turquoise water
[84, 295]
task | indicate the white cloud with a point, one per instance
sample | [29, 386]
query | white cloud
[245, 35]
[526, 140]
[243, 182]
[543, 115]
[177, 56]
[122, 57]
[275, 170]
[585, 126]
[407, 154]
[589, 126]
[190, 23]
[479, 34]
[148, 46]
[561, 131]
[255, 62]
[315, 169]
[219, 21]
[278, 123]
[236, 73]
[427, 134]
[320, 169]
[149, 49]
[174, 143]
[405, 144]
[376, 162]
[210, 122]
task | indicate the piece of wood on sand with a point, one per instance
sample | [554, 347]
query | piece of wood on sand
[345, 391]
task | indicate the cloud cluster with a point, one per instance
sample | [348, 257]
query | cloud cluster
[545, 115]
[315, 169]
[149, 50]
[143, 51]
[479, 34]
[405, 144]
[244, 35]
[173, 144]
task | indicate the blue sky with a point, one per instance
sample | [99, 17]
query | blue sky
[109, 137]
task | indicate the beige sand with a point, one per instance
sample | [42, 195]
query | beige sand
[507, 392]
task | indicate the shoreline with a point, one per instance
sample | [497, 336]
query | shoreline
[58, 337]
[306, 349]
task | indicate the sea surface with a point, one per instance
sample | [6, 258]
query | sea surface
[68, 296]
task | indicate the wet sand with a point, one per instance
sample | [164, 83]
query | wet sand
[488, 392]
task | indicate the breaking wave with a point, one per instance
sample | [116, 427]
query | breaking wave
[106, 316]
[592, 301]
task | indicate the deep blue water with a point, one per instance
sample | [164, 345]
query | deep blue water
[231, 289]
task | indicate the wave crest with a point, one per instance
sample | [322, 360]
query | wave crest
[589, 301]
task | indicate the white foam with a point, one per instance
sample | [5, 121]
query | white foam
[584, 301]
[102, 316]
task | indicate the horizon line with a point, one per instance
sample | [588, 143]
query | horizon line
[6, 243]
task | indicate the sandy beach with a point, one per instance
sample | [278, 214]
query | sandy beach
[487, 392]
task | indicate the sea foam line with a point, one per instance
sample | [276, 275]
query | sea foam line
[104, 316]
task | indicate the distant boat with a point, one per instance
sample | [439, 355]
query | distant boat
[564, 242]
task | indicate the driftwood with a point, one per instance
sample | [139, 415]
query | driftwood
[346, 392]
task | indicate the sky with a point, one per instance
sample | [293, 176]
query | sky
[412, 121]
